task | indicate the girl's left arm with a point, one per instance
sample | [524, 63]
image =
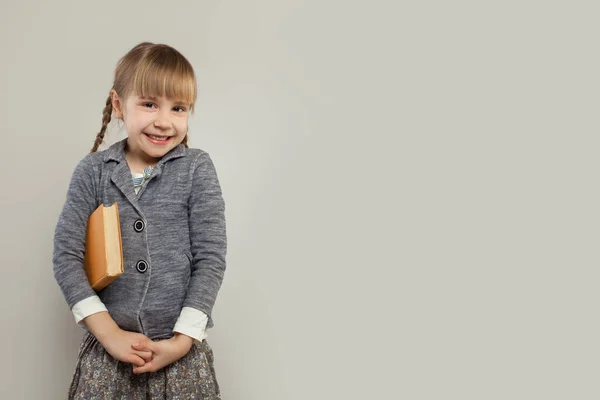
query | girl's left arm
[208, 238]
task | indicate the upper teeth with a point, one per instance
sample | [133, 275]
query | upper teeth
[159, 137]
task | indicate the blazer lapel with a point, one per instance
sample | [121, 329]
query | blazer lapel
[121, 177]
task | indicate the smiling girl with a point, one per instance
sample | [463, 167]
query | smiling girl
[145, 333]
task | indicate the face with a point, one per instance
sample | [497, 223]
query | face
[155, 125]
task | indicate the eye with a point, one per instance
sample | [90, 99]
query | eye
[182, 109]
[145, 104]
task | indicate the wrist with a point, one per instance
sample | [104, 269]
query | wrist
[182, 340]
[104, 335]
[101, 325]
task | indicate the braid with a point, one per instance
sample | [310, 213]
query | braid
[105, 120]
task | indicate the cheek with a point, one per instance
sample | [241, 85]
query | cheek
[181, 127]
[138, 122]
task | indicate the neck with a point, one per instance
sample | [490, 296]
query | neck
[137, 162]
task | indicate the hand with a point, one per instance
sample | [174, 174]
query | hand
[118, 344]
[164, 351]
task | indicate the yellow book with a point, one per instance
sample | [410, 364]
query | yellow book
[103, 259]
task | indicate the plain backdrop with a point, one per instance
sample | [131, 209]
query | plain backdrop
[411, 190]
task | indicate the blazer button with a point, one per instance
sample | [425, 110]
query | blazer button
[142, 266]
[139, 225]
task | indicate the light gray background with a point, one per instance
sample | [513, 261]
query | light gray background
[411, 189]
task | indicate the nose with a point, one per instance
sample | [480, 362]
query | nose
[163, 119]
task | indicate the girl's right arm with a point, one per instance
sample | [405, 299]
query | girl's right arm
[70, 232]
[69, 251]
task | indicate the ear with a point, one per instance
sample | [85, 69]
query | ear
[116, 104]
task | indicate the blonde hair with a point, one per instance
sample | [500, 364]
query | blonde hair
[151, 69]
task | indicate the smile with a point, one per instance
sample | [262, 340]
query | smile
[158, 139]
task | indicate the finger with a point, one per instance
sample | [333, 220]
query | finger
[143, 352]
[146, 355]
[144, 346]
[148, 367]
[136, 360]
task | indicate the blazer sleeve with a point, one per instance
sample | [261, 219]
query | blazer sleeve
[69, 235]
[208, 237]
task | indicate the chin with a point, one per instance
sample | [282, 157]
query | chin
[157, 153]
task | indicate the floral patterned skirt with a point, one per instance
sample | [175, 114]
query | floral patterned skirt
[100, 376]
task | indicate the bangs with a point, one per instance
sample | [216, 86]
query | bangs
[174, 80]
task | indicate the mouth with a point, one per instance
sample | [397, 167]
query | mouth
[157, 139]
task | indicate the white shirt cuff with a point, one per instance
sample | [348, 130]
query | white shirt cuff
[192, 322]
[87, 307]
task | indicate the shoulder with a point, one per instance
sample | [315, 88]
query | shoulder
[199, 158]
[194, 153]
[88, 164]
[96, 158]
[203, 170]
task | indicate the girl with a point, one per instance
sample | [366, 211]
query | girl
[145, 332]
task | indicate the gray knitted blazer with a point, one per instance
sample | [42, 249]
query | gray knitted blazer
[173, 231]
